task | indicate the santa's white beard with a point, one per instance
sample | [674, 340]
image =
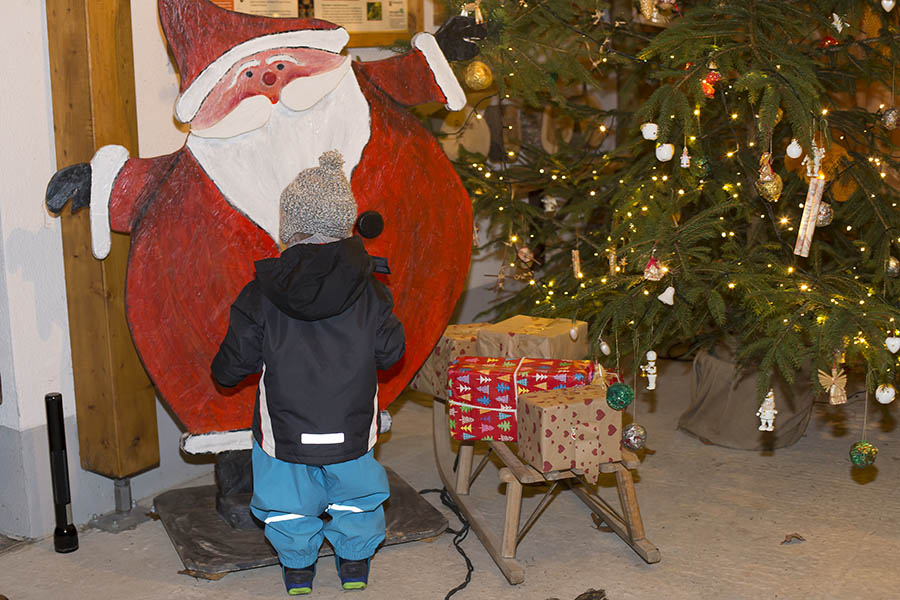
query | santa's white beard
[252, 169]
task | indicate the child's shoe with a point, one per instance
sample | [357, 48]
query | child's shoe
[354, 574]
[299, 582]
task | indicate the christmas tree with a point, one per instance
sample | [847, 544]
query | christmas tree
[777, 228]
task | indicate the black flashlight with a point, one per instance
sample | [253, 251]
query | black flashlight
[65, 536]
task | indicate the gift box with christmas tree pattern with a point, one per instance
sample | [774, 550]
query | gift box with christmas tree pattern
[483, 391]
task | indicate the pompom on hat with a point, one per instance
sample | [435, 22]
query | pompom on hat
[319, 200]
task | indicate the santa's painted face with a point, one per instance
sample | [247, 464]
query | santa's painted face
[242, 100]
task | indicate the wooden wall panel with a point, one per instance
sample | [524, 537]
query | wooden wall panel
[92, 76]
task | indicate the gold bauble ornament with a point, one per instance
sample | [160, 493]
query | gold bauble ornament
[769, 184]
[770, 189]
[648, 9]
[890, 119]
[478, 76]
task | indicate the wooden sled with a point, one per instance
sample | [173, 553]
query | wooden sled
[515, 474]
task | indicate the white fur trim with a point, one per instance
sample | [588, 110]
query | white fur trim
[217, 441]
[187, 105]
[443, 73]
[105, 167]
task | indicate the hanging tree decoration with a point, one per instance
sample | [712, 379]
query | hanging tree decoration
[619, 395]
[885, 393]
[835, 384]
[576, 264]
[825, 215]
[810, 216]
[649, 131]
[767, 412]
[478, 76]
[649, 370]
[888, 5]
[653, 270]
[892, 343]
[685, 158]
[708, 85]
[794, 149]
[890, 118]
[769, 183]
[862, 453]
[892, 267]
[634, 436]
[665, 152]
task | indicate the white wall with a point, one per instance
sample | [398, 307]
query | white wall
[35, 356]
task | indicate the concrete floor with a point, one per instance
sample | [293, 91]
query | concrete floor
[718, 516]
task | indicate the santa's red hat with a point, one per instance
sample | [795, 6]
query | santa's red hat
[207, 41]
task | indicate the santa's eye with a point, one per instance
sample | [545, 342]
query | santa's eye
[249, 73]
[280, 67]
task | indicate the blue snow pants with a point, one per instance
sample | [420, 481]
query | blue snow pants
[290, 499]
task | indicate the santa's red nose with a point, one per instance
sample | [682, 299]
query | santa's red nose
[269, 78]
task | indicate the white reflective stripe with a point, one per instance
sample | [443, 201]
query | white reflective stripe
[288, 517]
[342, 507]
[322, 438]
[373, 428]
[265, 421]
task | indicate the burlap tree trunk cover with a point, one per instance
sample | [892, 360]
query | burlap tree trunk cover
[724, 401]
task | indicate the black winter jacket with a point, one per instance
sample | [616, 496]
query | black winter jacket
[318, 325]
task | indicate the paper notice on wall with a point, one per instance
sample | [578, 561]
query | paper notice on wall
[358, 16]
[266, 8]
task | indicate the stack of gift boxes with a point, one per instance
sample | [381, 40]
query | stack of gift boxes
[521, 381]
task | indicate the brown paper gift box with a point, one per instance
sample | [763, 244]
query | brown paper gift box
[458, 340]
[571, 428]
[533, 337]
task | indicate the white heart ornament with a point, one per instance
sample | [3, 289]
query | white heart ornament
[885, 393]
[668, 296]
[893, 344]
[888, 5]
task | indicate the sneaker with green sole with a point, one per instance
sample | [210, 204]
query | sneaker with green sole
[354, 574]
[299, 582]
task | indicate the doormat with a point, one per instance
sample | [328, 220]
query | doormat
[208, 545]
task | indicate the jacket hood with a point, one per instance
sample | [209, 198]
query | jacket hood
[316, 281]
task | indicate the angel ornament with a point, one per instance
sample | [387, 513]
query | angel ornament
[649, 370]
[835, 384]
[767, 412]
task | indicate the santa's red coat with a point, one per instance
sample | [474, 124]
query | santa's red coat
[192, 252]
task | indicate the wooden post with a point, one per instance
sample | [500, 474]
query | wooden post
[92, 76]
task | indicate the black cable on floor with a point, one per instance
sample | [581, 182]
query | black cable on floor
[458, 534]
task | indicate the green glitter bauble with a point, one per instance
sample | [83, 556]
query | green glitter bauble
[700, 167]
[619, 395]
[863, 454]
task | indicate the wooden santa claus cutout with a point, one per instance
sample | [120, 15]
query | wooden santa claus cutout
[264, 98]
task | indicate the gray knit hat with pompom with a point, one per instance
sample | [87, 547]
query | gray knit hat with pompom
[319, 200]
